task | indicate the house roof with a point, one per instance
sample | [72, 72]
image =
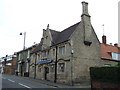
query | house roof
[106, 50]
[54, 35]
[27, 48]
[38, 48]
[59, 37]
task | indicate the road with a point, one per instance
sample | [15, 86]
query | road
[17, 82]
[11, 81]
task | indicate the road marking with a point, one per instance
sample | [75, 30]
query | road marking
[11, 80]
[3, 78]
[24, 85]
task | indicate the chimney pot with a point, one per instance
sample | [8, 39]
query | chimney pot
[116, 44]
[104, 39]
[110, 43]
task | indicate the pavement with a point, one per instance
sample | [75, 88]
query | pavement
[57, 85]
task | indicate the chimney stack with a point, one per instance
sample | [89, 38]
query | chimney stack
[85, 8]
[104, 39]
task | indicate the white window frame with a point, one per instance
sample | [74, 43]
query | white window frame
[115, 56]
[28, 54]
[19, 56]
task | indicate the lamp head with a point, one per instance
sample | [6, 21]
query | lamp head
[20, 33]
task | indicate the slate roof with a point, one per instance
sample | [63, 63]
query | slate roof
[38, 48]
[58, 37]
[54, 35]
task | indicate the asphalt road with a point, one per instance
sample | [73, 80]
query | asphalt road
[10, 81]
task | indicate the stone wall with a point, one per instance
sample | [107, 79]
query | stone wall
[105, 85]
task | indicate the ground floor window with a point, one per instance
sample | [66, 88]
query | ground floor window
[39, 69]
[61, 67]
[52, 67]
[46, 70]
[33, 68]
[107, 64]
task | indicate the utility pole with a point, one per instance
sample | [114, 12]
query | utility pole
[23, 51]
[55, 80]
[35, 66]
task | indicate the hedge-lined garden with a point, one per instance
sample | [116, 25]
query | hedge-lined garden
[105, 74]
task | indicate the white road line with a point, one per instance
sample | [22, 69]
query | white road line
[11, 80]
[24, 85]
[3, 78]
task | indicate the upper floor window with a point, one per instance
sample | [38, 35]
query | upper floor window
[38, 56]
[19, 56]
[28, 54]
[53, 52]
[44, 54]
[62, 50]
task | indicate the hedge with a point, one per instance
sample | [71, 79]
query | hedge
[105, 74]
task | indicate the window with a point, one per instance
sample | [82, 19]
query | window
[46, 70]
[38, 56]
[62, 50]
[28, 54]
[19, 56]
[39, 69]
[52, 67]
[61, 67]
[27, 67]
[9, 64]
[33, 68]
[53, 52]
[115, 56]
[107, 64]
[44, 54]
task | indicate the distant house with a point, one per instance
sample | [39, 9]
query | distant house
[23, 58]
[110, 54]
[66, 56]
[9, 64]
[1, 65]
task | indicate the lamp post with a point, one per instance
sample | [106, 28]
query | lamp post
[23, 50]
[24, 39]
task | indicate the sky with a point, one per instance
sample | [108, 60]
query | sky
[32, 16]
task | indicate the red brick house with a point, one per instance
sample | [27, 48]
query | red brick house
[110, 54]
[9, 64]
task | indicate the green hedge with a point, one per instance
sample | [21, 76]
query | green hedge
[105, 74]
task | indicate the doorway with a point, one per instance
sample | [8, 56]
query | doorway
[46, 72]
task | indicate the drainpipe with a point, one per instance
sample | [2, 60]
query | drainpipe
[28, 67]
[35, 66]
[72, 67]
[56, 66]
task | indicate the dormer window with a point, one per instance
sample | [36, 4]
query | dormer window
[115, 56]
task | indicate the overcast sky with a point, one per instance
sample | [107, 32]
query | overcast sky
[32, 16]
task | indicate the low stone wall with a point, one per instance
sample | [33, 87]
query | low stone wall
[97, 85]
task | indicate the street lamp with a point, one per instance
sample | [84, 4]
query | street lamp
[24, 39]
[23, 49]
